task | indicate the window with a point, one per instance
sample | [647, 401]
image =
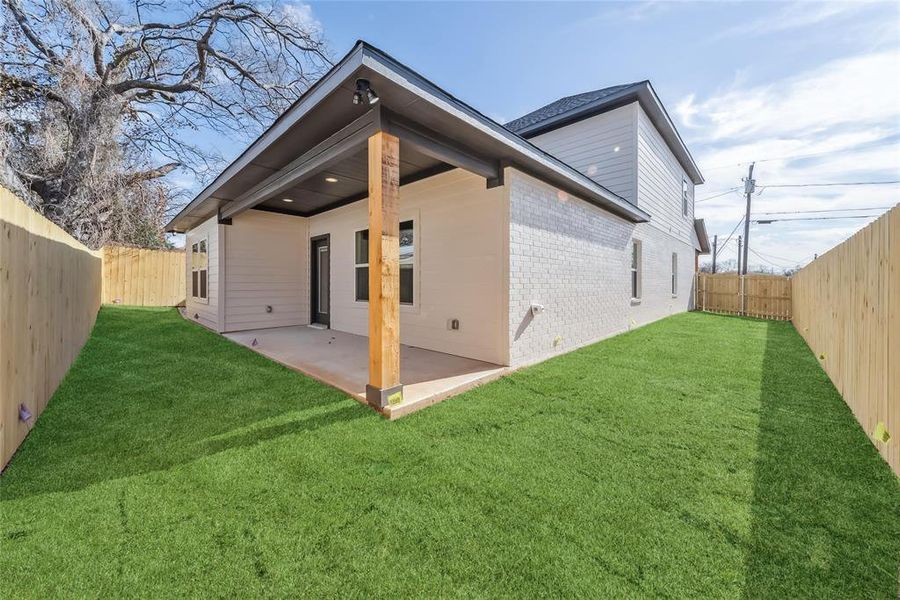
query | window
[199, 271]
[635, 270]
[407, 262]
[674, 274]
[685, 198]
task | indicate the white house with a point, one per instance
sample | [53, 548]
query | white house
[499, 244]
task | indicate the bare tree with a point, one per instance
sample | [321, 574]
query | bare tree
[99, 99]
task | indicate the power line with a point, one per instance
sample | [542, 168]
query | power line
[824, 210]
[734, 189]
[794, 185]
[729, 235]
[765, 221]
[765, 260]
[771, 256]
[858, 147]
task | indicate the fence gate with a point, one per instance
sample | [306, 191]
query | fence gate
[763, 296]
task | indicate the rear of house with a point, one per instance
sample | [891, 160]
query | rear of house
[513, 244]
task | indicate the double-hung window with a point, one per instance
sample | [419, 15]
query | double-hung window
[407, 264]
[635, 269]
[199, 271]
[674, 274]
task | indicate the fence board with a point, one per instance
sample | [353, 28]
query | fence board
[49, 297]
[142, 277]
[846, 307]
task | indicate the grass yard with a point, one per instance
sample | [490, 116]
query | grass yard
[700, 456]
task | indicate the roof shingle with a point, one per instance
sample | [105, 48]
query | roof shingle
[564, 105]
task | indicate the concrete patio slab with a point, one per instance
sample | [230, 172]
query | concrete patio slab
[342, 360]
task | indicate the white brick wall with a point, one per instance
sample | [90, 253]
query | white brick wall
[574, 259]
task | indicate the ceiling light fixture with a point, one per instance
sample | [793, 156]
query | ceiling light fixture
[364, 92]
[331, 179]
[287, 199]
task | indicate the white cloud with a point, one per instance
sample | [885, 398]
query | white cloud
[792, 16]
[852, 91]
[838, 122]
[301, 15]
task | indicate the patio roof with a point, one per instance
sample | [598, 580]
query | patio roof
[324, 135]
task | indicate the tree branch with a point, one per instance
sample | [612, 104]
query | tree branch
[15, 8]
[154, 173]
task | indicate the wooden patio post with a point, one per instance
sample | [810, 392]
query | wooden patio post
[384, 271]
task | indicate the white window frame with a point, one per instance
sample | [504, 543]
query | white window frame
[415, 289]
[197, 269]
[358, 265]
[635, 270]
[674, 274]
[685, 197]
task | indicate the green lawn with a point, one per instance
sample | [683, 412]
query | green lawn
[699, 456]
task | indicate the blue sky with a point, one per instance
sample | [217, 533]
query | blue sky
[745, 81]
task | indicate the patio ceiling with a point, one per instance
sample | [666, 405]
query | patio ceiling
[316, 194]
[324, 134]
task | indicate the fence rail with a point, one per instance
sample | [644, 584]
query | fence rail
[847, 307]
[142, 277]
[763, 296]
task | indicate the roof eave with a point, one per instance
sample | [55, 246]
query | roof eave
[702, 236]
[524, 154]
[321, 88]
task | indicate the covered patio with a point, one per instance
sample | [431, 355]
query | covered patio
[368, 127]
[341, 360]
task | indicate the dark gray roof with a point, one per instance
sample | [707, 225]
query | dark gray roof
[564, 105]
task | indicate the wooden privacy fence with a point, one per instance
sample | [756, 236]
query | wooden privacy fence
[49, 298]
[51, 287]
[763, 296]
[846, 305]
[142, 277]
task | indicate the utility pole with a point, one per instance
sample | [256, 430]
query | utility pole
[715, 249]
[749, 188]
[739, 255]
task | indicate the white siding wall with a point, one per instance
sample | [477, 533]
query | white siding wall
[659, 177]
[205, 313]
[461, 258]
[266, 264]
[574, 259]
[590, 146]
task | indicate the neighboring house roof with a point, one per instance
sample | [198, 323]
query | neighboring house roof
[572, 109]
[413, 96]
[701, 239]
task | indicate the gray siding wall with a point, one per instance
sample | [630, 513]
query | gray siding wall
[659, 178]
[603, 147]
